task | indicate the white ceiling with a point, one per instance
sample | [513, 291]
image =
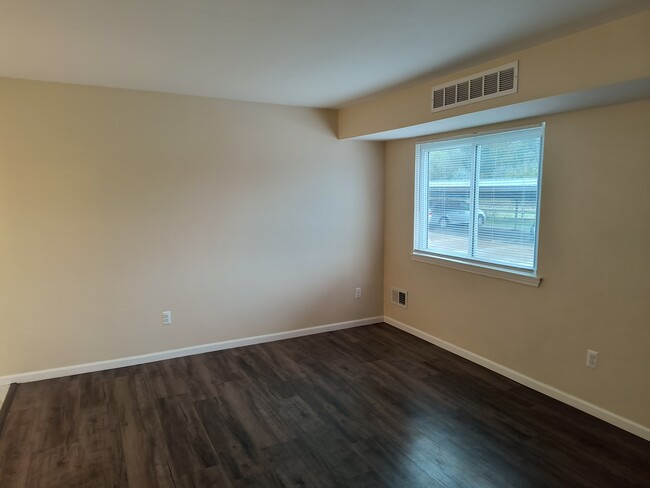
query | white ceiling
[319, 53]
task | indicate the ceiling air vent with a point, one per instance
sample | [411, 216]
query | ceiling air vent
[399, 297]
[492, 83]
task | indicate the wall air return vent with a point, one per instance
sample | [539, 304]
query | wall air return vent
[399, 297]
[492, 83]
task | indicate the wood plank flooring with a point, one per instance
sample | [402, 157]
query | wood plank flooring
[366, 407]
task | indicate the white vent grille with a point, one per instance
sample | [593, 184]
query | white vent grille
[496, 82]
[399, 297]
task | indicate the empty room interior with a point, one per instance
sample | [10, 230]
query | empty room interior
[277, 243]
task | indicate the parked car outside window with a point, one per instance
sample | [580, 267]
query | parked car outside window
[453, 212]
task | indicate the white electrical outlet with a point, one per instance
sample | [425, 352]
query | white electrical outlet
[592, 358]
[167, 317]
[357, 293]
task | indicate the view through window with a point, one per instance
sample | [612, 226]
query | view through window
[477, 199]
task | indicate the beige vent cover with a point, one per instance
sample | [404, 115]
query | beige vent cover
[492, 83]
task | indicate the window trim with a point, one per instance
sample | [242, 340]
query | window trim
[468, 264]
[480, 268]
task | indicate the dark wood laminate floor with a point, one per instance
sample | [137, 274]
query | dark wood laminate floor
[365, 407]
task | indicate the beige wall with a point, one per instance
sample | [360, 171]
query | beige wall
[241, 218]
[602, 56]
[593, 257]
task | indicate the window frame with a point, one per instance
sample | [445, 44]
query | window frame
[527, 276]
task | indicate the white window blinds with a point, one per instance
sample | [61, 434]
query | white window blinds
[477, 198]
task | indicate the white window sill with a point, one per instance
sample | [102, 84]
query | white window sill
[522, 277]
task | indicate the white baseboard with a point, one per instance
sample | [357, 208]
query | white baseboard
[176, 353]
[598, 412]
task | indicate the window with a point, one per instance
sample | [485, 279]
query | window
[477, 203]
